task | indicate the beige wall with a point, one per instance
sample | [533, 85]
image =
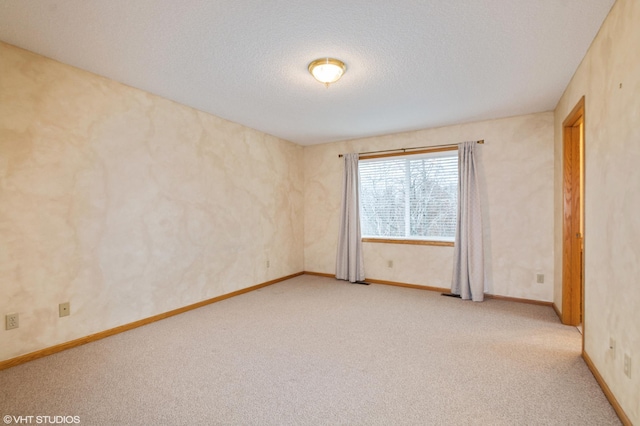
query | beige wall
[612, 198]
[129, 205]
[516, 165]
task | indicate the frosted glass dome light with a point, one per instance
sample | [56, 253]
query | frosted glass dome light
[327, 70]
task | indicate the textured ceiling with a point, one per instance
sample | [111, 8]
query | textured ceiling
[410, 64]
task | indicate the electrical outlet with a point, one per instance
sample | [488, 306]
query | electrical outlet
[540, 278]
[12, 321]
[627, 365]
[389, 263]
[268, 264]
[64, 309]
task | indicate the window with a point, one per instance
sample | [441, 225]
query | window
[410, 198]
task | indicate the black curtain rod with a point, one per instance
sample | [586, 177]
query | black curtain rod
[481, 141]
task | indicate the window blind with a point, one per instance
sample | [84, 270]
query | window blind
[409, 197]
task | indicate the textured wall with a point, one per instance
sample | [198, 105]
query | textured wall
[128, 205]
[612, 199]
[517, 166]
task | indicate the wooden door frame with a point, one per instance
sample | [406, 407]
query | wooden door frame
[572, 225]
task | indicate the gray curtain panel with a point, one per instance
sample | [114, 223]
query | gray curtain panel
[349, 260]
[468, 259]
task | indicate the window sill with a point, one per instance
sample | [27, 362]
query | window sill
[412, 242]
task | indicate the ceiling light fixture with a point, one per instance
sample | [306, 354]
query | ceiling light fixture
[327, 70]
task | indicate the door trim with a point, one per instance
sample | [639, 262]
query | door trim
[572, 216]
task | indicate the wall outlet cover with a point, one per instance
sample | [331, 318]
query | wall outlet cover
[627, 365]
[12, 321]
[64, 309]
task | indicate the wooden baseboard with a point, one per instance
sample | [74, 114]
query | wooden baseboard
[101, 335]
[518, 300]
[438, 289]
[406, 285]
[319, 274]
[393, 283]
[607, 392]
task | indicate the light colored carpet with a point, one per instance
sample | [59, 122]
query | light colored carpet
[317, 351]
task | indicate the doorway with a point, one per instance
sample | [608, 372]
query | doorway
[573, 217]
